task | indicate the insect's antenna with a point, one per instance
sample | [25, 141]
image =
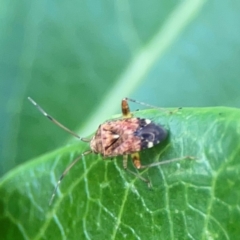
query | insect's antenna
[65, 172]
[56, 122]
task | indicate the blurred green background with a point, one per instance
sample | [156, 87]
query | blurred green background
[77, 59]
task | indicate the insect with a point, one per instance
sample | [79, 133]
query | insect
[120, 137]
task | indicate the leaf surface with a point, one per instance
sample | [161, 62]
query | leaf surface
[190, 199]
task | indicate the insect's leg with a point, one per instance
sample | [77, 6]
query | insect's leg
[148, 105]
[166, 161]
[125, 109]
[136, 160]
[135, 174]
[65, 172]
[125, 160]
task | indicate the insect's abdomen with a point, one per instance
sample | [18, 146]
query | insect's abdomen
[126, 136]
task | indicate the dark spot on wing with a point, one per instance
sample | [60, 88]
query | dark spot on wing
[150, 133]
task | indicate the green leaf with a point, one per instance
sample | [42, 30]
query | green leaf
[190, 199]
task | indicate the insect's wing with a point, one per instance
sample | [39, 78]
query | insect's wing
[130, 135]
[150, 134]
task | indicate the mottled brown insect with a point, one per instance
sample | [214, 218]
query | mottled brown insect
[126, 136]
